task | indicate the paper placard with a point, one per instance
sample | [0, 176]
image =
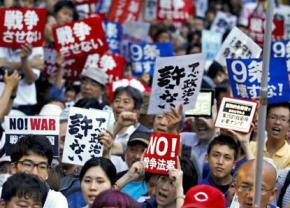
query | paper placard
[82, 136]
[18, 126]
[237, 45]
[203, 106]
[176, 81]
[162, 153]
[236, 114]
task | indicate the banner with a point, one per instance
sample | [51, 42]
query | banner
[211, 43]
[82, 136]
[237, 45]
[18, 126]
[245, 78]
[162, 153]
[113, 33]
[223, 22]
[143, 56]
[19, 26]
[176, 81]
[236, 114]
[281, 49]
[203, 106]
[82, 37]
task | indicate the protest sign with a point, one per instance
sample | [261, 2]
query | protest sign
[112, 64]
[136, 31]
[236, 114]
[176, 81]
[201, 7]
[245, 78]
[18, 126]
[50, 67]
[283, 12]
[81, 37]
[211, 43]
[281, 49]
[162, 153]
[113, 33]
[143, 56]
[237, 45]
[19, 26]
[203, 106]
[223, 22]
[103, 7]
[125, 10]
[177, 11]
[150, 10]
[82, 136]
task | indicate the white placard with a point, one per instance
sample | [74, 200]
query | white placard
[223, 22]
[237, 45]
[203, 106]
[176, 81]
[236, 114]
[82, 136]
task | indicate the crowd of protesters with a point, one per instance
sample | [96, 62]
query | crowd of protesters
[216, 167]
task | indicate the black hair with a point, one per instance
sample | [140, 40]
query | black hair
[66, 4]
[277, 105]
[89, 103]
[37, 144]
[106, 164]
[23, 185]
[223, 139]
[214, 68]
[190, 174]
[133, 93]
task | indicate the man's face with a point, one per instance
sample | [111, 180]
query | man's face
[204, 128]
[33, 164]
[64, 16]
[90, 88]
[134, 152]
[160, 123]
[122, 102]
[23, 202]
[165, 191]
[245, 188]
[278, 123]
[221, 161]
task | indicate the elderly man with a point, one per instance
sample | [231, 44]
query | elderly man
[245, 185]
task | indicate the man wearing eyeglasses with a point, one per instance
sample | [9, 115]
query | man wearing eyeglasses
[245, 185]
[277, 126]
[33, 154]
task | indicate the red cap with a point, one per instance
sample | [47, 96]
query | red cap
[204, 196]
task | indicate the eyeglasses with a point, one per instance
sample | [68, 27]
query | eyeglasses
[29, 165]
[282, 119]
[247, 188]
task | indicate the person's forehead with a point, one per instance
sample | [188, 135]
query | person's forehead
[124, 95]
[34, 157]
[279, 110]
[27, 200]
[222, 148]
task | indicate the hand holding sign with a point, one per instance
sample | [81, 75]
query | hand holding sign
[106, 139]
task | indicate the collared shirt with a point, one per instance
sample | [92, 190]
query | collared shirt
[281, 158]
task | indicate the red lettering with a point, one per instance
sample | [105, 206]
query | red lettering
[44, 125]
[35, 123]
[51, 124]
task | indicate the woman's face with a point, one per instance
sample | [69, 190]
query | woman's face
[93, 183]
[165, 191]
[64, 16]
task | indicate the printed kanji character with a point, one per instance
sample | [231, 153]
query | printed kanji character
[146, 161]
[95, 149]
[107, 63]
[168, 97]
[253, 91]
[255, 71]
[226, 52]
[152, 163]
[165, 4]
[13, 139]
[74, 123]
[189, 83]
[86, 124]
[111, 30]
[170, 164]
[31, 19]
[81, 30]
[242, 90]
[177, 74]
[151, 52]
[92, 61]
[164, 76]
[161, 164]
[65, 35]
[20, 37]
[13, 20]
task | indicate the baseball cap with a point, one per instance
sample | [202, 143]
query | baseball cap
[139, 136]
[95, 74]
[204, 196]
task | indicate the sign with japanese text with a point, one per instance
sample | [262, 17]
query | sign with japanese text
[81, 37]
[125, 10]
[113, 33]
[113, 65]
[72, 65]
[223, 22]
[257, 26]
[162, 153]
[203, 106]
[150, 10]
[19, 26]
[177, 11]
[211, 43]
[237, 45]
[245, 78]
[82, 136]
[143, 56]
[103, 7]
[283, 12]
[176, 81]
[281, 49]
[236, 114]
[201, 7]
[18, 126]
[136, 31]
